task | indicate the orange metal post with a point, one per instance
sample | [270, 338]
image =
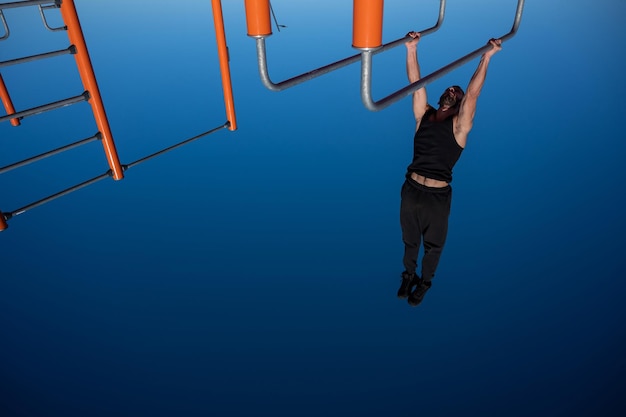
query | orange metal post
[258, 18]
[3, 222]
[367, 24]
[6, 100]
[85, 69]
[222, 50]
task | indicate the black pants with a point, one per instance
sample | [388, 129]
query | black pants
[424, 213]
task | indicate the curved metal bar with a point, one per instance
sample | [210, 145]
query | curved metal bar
[45, 22]
[283, 85]
[7, 32]
[366, 70]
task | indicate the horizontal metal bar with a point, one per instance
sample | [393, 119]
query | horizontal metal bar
[57, 195]
[137, 162]
[15, 4]
[56, 151]
[283, 85]
[70, 50]
[366, 70]
[46, 107]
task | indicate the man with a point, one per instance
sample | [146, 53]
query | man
[440, 137]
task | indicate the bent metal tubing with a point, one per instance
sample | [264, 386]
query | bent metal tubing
[366, 70]
[283, 85]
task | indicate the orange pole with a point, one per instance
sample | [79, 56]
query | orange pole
[3, 222]
[222, 50]
[258, 18]
[85, 69]
[6, 100]
[367, 24]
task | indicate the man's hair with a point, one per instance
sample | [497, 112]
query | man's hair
[458, 103]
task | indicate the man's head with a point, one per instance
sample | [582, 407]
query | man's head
[451, 97]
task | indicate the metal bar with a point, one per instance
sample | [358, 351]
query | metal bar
[7, 32]
[57, 195]
[47, 107]
[45, 21]
[85, 69]
[366, 70]
[178, 145]
[70, 50]
[56, 151]
[283, 85]
[222, 50]
[6, 101]
[15, 4]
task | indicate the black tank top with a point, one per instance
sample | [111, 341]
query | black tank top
[435, 150]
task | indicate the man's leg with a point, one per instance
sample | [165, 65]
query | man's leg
[409, 221]
[437, 213]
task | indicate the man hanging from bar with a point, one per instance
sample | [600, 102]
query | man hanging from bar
[440, 137]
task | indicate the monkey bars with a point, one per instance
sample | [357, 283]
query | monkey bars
[259, 27]
[366, 36]
[366, 69]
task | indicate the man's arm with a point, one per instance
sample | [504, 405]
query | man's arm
[420, 101]
[467, 108]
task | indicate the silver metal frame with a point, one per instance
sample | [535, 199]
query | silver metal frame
[366, 70]
[283, 85]
[45, 22]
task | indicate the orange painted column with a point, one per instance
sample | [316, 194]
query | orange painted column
[258, 18]
[85, 69]
[222, 51]
[367, 24]
[3, 222]
[6, 101]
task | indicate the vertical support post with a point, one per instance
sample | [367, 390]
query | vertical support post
[3, 222]
[222, 50]
[367, 24]
[85, 69]
[258, 18]
[6, 101]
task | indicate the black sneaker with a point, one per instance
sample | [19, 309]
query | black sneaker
[418, 294]
[408, 282]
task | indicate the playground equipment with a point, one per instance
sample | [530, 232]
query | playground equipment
[367, 38]
[78, 49]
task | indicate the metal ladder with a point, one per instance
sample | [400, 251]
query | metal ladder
[91, 94]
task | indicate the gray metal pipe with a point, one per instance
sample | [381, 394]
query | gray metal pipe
[69, 50]
[56, 151]
[366, 70]
[283, 85]
[46, 107]
[15, 4]
[57, 195]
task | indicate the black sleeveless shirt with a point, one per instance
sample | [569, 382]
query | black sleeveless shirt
[435, 150]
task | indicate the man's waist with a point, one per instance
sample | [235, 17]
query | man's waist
[427, 182]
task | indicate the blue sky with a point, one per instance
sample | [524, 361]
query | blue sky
[254, 272]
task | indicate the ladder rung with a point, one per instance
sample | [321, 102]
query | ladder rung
[15, 4]
[70, 50]
[46, 107]
[56, 151]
